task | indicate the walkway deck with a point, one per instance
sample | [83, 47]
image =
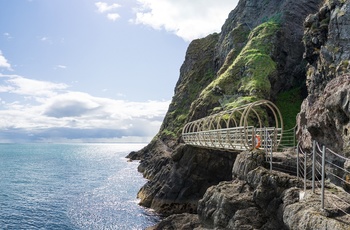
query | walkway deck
[255, 125]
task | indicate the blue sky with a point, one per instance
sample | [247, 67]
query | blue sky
[96, 71]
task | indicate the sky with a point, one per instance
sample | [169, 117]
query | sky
[95, 71]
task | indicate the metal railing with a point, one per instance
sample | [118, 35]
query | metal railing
[320, 166]
[289, 139]
[236, 138]
[239, 128]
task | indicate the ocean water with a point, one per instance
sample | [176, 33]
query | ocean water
[70, 186]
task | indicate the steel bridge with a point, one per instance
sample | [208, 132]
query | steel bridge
[254, 125]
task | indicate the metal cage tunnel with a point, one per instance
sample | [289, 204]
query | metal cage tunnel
[255, 125]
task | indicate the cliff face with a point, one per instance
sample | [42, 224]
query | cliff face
[325, 114]
[257, 55]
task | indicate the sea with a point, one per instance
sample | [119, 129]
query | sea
[71, 186]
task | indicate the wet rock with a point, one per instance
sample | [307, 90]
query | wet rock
[177, 186]
[177, 222]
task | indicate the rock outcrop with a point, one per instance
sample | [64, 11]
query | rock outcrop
[325, 114]
[282, 50]
[262, 199]
[178, 180]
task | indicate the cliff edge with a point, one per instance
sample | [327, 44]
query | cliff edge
[294, 53]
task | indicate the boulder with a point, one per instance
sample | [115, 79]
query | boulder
[177, 186]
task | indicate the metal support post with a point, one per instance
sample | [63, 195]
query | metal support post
[274, 142]
[313, 165]
[305, 170]
[297, 161]
[323, 176]
[271, 152]
[265, 144]
[253, 137]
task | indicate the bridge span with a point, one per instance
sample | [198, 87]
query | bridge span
[254, 125]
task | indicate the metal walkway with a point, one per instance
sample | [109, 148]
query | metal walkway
[255, 125]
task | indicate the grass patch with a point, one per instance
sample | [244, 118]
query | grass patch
[289, 103]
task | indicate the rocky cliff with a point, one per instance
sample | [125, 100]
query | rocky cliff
[282, 50]
[325, 114]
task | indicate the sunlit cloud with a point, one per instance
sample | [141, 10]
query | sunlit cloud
[187, 19]
[60, 114]
[103, 7]
[113, 16]
[4, 63]
[25, 86]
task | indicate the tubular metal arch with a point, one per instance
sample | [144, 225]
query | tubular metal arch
[238, 129]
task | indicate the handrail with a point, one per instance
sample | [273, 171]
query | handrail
[241, 124]
[321, 160]
[289, 139]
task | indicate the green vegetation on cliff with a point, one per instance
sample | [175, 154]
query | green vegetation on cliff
[248, 74]
[289, 103]
[245, 75]
[196, 73]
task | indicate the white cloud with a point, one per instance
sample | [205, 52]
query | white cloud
[72, 104]
[29, 87]
[187, 19]
[113, 16]
[103, 7]
[4, 63]
[8, 35]
[59, 114]
[61, 67]
[6, 88]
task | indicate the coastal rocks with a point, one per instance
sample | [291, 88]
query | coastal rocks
[269, 33]
[325, 115]
[307, 214]
[178, 222]
[188, 179]
[178, 185]
[254, 201]
[263, 200]
[245, 162]
[220, 204]
[152, 158]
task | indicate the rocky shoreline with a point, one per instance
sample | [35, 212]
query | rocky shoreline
[295, 53]
[257, 198]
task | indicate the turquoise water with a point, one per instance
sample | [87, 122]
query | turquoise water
[70, 186]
